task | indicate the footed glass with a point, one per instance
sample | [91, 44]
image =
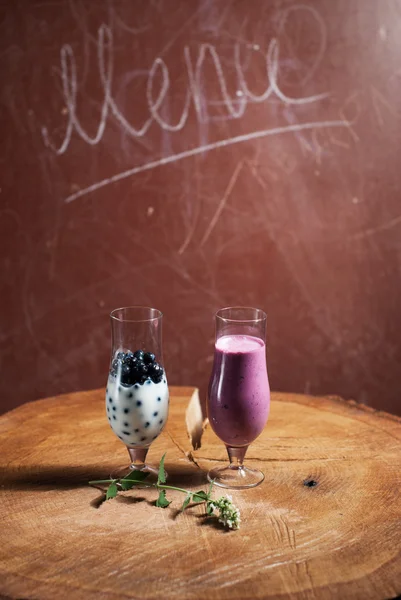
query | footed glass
[137, 395]
[239, 394]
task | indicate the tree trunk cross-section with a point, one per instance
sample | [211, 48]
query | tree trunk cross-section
[326, 522]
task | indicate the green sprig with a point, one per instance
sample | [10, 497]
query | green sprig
[228, 514]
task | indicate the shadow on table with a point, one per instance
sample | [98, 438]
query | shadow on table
[44, 477]
[51, 476]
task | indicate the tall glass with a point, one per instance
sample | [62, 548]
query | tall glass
[137, 396]
[239, 394]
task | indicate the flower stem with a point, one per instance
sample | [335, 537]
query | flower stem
[159, 486]
[99, 481]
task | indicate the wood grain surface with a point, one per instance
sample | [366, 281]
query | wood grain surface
[326, 523]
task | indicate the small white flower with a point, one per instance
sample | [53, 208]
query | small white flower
[229, 515]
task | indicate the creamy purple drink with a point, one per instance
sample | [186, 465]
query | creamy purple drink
[239, 393]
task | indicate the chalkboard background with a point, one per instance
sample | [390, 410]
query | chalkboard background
[190, 155]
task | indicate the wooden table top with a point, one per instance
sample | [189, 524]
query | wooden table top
[339, 539]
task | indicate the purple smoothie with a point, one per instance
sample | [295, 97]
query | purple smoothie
[239, 392]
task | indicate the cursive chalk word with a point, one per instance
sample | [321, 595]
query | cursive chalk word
[194, 93]
[194, 96]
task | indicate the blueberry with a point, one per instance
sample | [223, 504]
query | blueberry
[108, 410]
[161, 421]
[130, 395]
[137, 371]
[120, 355]
[110, 400]
[126, 424]
[114, 417]
[147, 424]
[138, 403]
[136, 386]
[156, 372]
[143, 439]
[155, 414]
[130, 360]
[125, 369]
[124, 372]
[149, 358]
[154, 369]
[121, 438]
[148, 381]
[125, 432]
[115, 364]
[159, 399]
[139, 354]
[136, 430]
[126, 375]
[114, 408]
[126, 410]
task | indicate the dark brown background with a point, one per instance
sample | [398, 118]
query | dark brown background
[302, 222]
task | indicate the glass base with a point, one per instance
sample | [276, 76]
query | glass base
[121, 472]
[137, 456]
[235, 477]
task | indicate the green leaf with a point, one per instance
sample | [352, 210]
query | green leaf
[162, 501]
[112, 491]
[200, 496]
[127, 485]
[162, 472]
[186, 502]
[133, 478]
[137, 475]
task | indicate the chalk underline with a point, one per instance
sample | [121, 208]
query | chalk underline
[199, 150]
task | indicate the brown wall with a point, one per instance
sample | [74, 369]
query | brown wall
[297, 213]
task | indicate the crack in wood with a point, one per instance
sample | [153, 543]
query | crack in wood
[188, 455]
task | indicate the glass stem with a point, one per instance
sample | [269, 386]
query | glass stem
[138, 457]
[236, 456]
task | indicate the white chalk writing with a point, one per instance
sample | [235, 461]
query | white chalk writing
[194, 97]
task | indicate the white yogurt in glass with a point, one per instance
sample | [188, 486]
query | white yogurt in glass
[137, 413]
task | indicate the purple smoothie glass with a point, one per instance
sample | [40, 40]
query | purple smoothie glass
[239, 394]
